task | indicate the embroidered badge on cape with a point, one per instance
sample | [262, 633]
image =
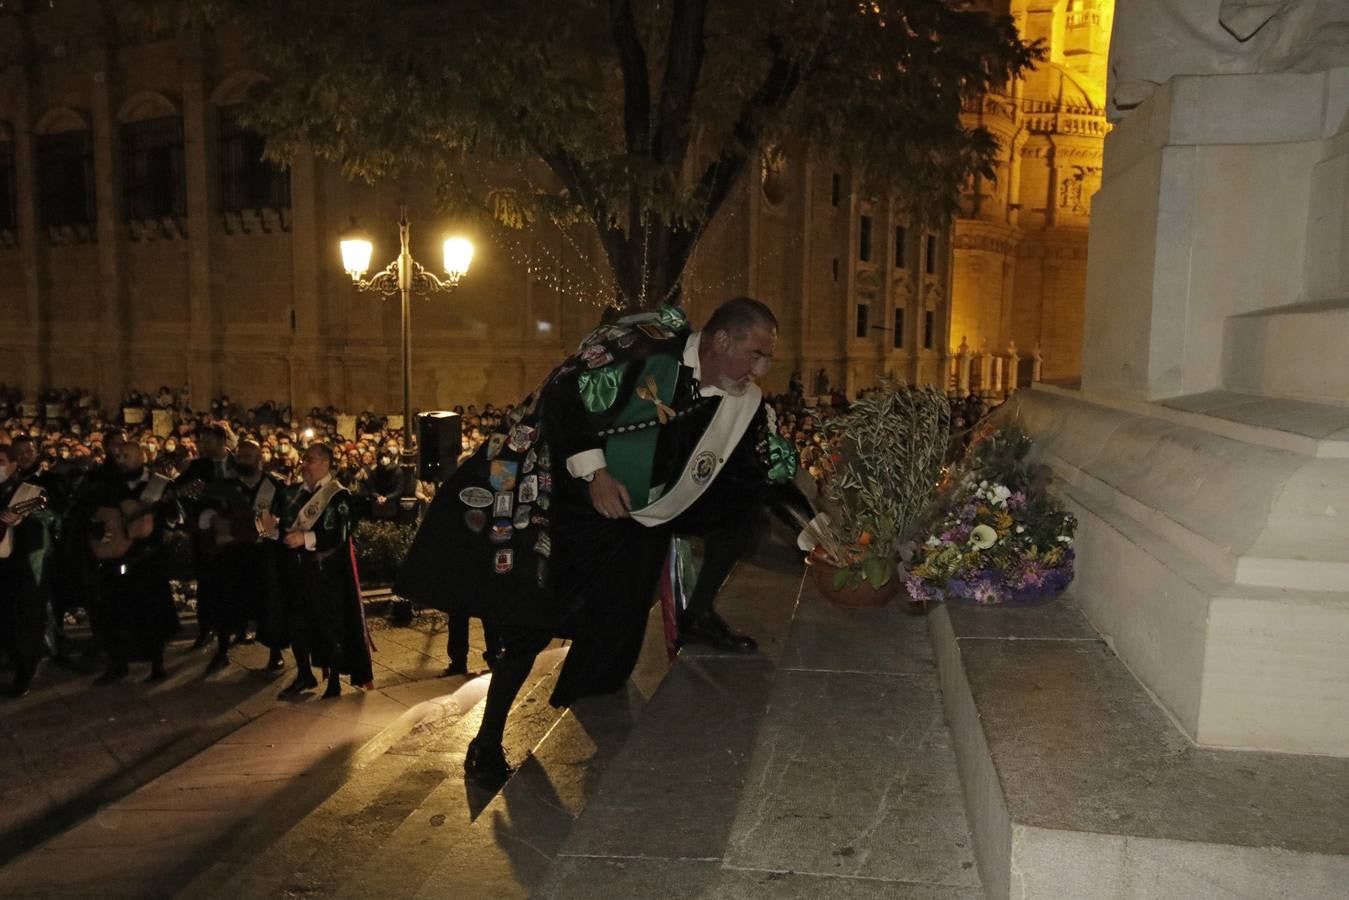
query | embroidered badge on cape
[476, 520]
[521, 520]
[529, 489]
[544, 546]
[504, 561]
[503, 474]
[704, 467]
[505, 502]
[494, 445]
[501, 531]
[530, 460]
[522, 438]
[477, 497]
[596, 356]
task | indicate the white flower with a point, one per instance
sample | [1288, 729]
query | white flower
[999, 495]
[982, 537]
[1021, 529]
[1064, 539]
[933, 541]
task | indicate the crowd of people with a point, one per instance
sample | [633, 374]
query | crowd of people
[86, 457]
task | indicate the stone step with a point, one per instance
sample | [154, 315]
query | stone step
[1294, 351]
[1234, 557]
[822, 770]
[326, 845]
[1077, 785]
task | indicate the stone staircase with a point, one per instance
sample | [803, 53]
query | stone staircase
[1213, 551]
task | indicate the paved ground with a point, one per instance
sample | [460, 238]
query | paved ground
[71, 747]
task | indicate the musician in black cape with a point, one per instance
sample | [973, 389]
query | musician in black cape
[25, 569]
[136, 603]
[250, 563]
[558, 526]
[217, 611]
[317, 565]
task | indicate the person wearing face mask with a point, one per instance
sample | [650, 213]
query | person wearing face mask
[214, 469]
[317, 565]
[25, 571]
[559, 525]
[136, 603]
[251, 563]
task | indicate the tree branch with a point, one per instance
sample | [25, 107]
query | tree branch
[784, 76]
[636, 82]
[683, 66]
[572, 174]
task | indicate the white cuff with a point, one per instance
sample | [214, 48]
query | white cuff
[310, 542]
[204, 519]
[587, 462]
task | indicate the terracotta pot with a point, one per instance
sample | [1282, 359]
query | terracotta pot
[864, 596]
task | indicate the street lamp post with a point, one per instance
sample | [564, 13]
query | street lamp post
[405, 277]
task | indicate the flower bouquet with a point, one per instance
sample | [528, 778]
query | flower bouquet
[879, 479]
[997, 535]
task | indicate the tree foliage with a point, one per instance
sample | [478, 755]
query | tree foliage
[646, 112]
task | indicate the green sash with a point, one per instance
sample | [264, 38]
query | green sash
[629, 455]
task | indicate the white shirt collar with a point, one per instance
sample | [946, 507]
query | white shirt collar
[693, 362]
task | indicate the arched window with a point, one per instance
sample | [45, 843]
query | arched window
[154, 172]
[247, 181]
[64, 148]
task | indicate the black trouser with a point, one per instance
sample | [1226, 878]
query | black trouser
[24, 612]
[603, 656]
[456, 640]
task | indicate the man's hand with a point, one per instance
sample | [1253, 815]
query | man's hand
[295, 540]
[266, 521]
[609, 496]
[9, 518]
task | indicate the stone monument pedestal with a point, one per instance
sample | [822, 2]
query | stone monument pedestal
[1207, 453]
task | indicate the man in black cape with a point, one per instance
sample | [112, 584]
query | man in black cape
[558, 525]
[25, 569]
[137, 604]
[317, 567]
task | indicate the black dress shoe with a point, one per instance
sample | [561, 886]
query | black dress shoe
[275, 662]
[202, 640]
[334, 688]
[218, 662]
[710, 629]
[301, 684]
[20, 689]
[486, 763]
[156, 676]
[113, 675]
[456, 667]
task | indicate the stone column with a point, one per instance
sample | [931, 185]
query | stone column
[115, 357]
[985, 369]
[306, 322]
[964, 362]
[205, 326]
[32, 244]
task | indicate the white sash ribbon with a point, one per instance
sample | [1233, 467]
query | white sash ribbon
[262, 500]
[310, 512]
[154, 489]
[723, 433]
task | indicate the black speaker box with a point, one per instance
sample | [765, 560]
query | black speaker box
[439, 442]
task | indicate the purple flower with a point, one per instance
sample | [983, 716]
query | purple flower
[1017, 500]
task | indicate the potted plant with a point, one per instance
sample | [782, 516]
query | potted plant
[888, 451]
[997, 534]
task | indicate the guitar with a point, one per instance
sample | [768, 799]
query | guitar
[132, 521]
[27, 507]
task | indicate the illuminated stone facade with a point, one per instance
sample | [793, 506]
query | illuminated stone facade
[1021, 243]
[143, 246]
